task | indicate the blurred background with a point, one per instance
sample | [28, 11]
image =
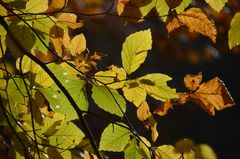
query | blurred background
[174, 55]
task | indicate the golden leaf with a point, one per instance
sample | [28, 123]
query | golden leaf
[196, 21]
[192, 82]
[163, 108]
[78, 44]
[212, 95]
[143, 111]
[70, 20]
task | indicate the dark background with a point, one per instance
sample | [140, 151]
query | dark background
[176, 55]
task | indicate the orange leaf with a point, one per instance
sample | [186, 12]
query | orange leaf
[212, 95]
[163, 108]
[196, 21]
[143, 111]
[70, 20]
[192, 82]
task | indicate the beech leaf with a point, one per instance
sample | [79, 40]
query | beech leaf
[234, 31]
[3, 34]
[192, 82]
[143, 111]
[70, 20]
[167, 152]
[217, 4]
[36, 6]
[114, 138]
[134, 50]
[196, 21]
[78, 44]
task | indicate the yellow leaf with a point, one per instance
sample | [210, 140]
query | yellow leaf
[88, 155]
[133, 93]
[36, 6]
[78, 44]
[57, 4]
[143, 111]
[167, 152]
[234, 31]
[3, 82]
[70, 20]
[216, 4]
[3, 34]
[196, 21]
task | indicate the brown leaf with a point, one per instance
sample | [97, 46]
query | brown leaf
[143, 111]
[212, 95]
[57, 5]
[192, 82]
[163, 108]
[70, 20]
[173, 3]
[196, 21]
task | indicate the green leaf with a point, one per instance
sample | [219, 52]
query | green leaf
[3, 82]
[132, 151]
[23, 35]
[76, 88]
[109, 100]
[36, 6]
[133, 92]
[3, 11]
[205, 152]
[234, 31]
[163, 9]
[145, 9]
[67, 137]
[167, 152]
[155, 85]
[114, 138]
[217, 4]
[134, 50]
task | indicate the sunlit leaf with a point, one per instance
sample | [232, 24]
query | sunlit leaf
[88, 155]
[151, 124]
[109, 100]
[67, 137]
[36, 6]
[133, 92]
[3, 82]
[234, 31]
[185, 145]
[196, 21]
[3, 11]
[114, 138]
[167, 152]
[58, 4]
[163, 108]
[132, 150]
[3, 34]
[163, 9]
[217, 4]
[204, 151]
[143, 111]
[78, 44]
[144, 145]
[70, 20]
[134, 50]
[212, 95]
[155, 85]
[54, 153]
[192, 82]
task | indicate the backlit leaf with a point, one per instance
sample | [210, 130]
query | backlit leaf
[163, 108]
[192, 82]
[212, 95]
[3, 34]
[205, 152]
[70, 20]
[163, 9]
[3, 81]
[67, 137]
[133, 93]
[167, 152]
[217, 4]
[155, 85]
[143, 111]
[3, 11]
[109, 100]
[196, 21]
[134, 50]
[114, 138]
[234, 31]
[58, 4]
[88, 155]
[132, 150]
[36, 6]
[78, 44]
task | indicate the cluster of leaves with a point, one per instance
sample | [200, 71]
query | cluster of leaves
[49, 91]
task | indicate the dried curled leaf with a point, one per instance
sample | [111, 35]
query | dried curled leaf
[196, 21]
[163, 108]
[192, 82]
[212, 95]
[143, 111]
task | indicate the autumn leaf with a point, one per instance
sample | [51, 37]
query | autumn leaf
[196, 21]
[212, 95]
[192, 82]
[163, 108]
[57, 5]
[78, 44]
[70, 20]
[143, 111]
